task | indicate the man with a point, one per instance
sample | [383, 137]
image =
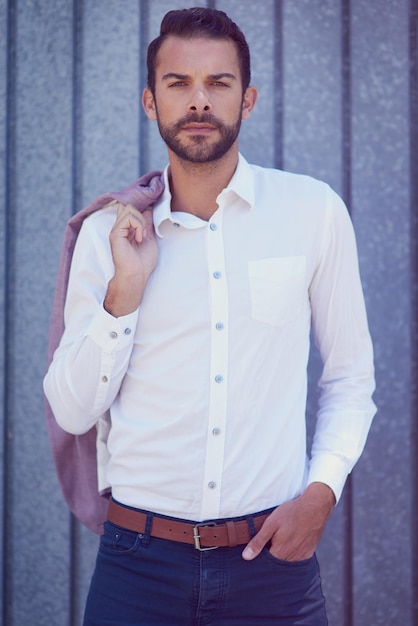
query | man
[191, 324]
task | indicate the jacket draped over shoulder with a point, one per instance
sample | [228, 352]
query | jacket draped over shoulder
[75, 455]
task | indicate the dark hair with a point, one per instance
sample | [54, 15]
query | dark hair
[200, 22]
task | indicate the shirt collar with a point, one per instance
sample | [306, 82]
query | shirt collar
[241, 185]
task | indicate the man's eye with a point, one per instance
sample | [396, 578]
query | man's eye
[178, 83]
[219, 83]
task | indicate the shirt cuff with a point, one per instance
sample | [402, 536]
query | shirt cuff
[330, 470]
[113, 334]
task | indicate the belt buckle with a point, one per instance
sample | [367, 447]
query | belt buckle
[196, 536]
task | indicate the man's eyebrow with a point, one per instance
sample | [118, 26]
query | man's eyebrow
[171, 75]
[222, 75]
[175, 76]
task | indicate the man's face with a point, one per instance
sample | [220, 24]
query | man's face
[198, 100]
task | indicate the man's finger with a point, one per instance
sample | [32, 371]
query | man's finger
[121, 208]
[149, 222]
[257, 543]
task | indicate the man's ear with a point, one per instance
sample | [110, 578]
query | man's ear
[148, 102]
[248, 102]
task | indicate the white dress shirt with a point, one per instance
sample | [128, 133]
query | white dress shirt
[206, 383]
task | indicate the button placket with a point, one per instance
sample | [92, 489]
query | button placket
[214, 458]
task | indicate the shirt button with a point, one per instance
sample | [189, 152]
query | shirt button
[104, 379]
[212, 485]
[219, 326]
[114, 334]
[219, 378]
[127, 331]
[176, 225]
[213, 227]
[216, 431]
[217, 274]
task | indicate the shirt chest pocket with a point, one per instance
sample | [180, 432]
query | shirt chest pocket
[277, 288]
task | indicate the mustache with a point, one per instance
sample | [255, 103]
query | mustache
[203, 118]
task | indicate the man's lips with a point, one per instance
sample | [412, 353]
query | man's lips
[199, 127]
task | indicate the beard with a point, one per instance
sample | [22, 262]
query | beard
[198, 149]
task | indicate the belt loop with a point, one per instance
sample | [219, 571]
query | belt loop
[232, 534]
[251, 526]
[147, 532]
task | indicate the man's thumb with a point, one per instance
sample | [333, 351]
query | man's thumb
[253, 548]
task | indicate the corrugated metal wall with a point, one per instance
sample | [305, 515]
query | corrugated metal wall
[338, 84]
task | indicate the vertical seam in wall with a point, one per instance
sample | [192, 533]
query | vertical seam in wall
[346, 100]
[76, 158]
[74, 572]
[278, 85]
[9, 252]
[143, 126]
[76, 164]
[413, 96]
[347, 195]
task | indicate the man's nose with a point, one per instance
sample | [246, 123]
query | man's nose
[200, 101]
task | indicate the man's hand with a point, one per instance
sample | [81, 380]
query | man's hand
[295, 527]
[135, 255]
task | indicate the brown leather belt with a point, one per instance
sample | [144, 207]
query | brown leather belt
[203, 535]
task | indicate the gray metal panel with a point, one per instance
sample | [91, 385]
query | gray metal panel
[381, 208]
[312, 95]
[312, 89]
[38, 517]
[3, 261]
[110, 97]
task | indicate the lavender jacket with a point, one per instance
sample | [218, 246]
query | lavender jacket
[75, 455]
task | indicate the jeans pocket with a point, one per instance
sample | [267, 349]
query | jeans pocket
[118, 540]
[288, 564]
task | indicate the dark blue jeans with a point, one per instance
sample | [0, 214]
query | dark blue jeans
[144, 581]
